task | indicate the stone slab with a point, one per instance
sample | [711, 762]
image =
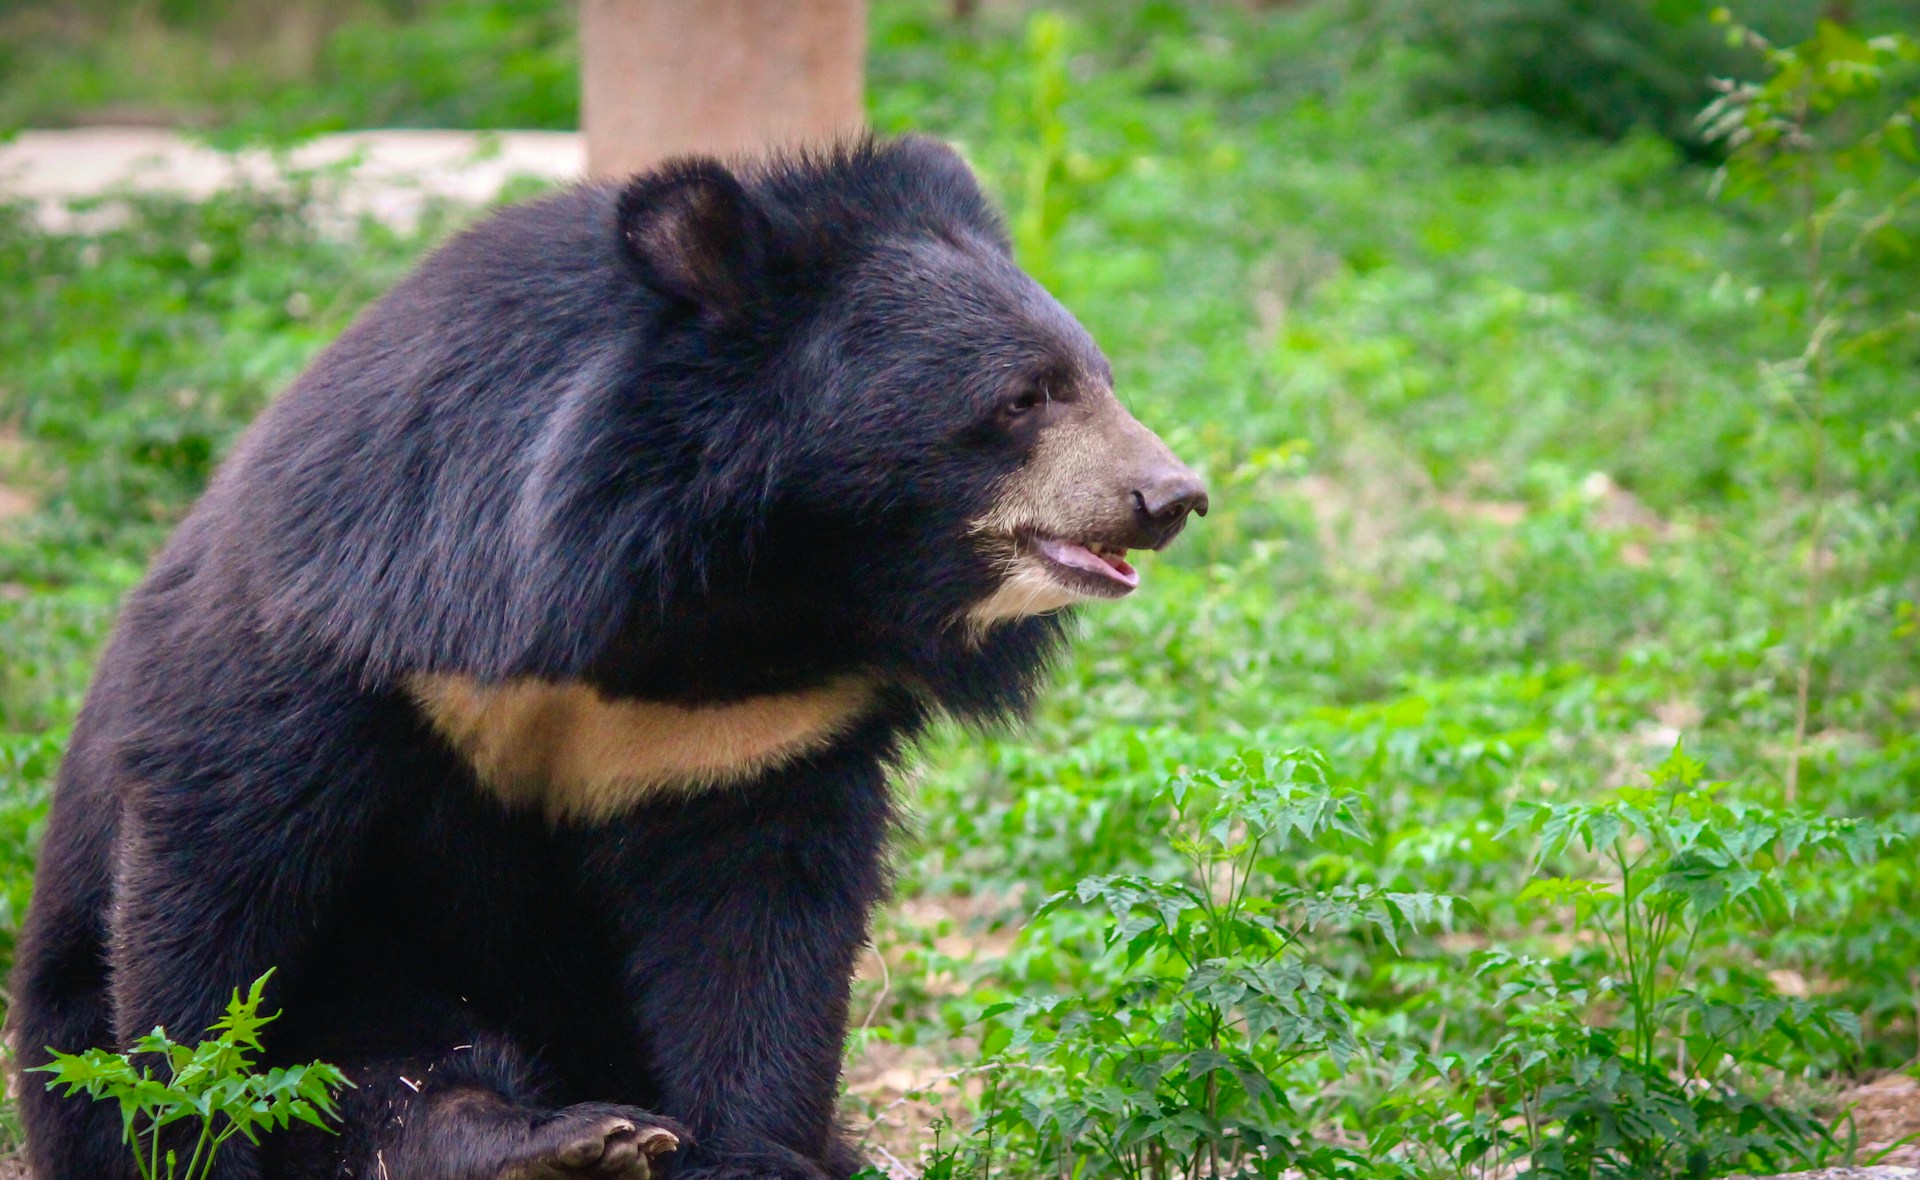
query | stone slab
[388, 175]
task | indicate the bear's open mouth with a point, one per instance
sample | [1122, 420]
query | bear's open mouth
[1093, 567]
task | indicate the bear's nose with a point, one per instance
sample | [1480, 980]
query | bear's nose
[1164, 500]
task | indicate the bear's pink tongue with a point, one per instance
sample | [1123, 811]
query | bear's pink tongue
[1077, 556]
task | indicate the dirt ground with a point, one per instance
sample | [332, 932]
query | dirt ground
[1888, 1111]
[389, 175]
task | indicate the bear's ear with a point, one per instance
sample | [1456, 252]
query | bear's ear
[935, 161]
[943, 180]
[695, 235]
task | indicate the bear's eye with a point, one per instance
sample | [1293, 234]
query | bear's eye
[1024, 402]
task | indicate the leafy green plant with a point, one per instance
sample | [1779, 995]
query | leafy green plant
[1051, 175]
[1036, 223]
[1618, 1059]
[212, 1086]
[1828, 135]
[1183, 1058]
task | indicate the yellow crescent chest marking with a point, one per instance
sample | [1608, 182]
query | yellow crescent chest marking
[576, 754]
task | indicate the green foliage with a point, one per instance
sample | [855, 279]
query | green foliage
[134, 356]
[1199, 1036]
[1180, 1059]
[1617, 1061]
[1828, 137]
[1053, 178]
[374, 72]
[1829, 134]
[27, 762]
[245, 72]
[211, 1089]
[1596, 67]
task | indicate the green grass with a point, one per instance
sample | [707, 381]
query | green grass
[1510, 493]
[241, 72]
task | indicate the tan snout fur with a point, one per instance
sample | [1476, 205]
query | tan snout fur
[1078, 485]
[577, 755]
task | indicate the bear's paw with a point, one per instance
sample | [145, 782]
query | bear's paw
[595, 1141]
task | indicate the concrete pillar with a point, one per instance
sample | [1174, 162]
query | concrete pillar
[665, 77]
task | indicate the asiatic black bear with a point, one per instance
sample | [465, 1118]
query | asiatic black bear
[525, 686]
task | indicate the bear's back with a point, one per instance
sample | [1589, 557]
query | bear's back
[401, 492]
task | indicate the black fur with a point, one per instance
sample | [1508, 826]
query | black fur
[709, 435]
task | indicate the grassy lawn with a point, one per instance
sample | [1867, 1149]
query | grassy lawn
[1516, 486]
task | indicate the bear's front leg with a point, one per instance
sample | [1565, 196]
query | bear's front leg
[242, 821]
[745, 912]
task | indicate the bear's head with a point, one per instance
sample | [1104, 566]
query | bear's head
[726, 465]
[932, 444]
